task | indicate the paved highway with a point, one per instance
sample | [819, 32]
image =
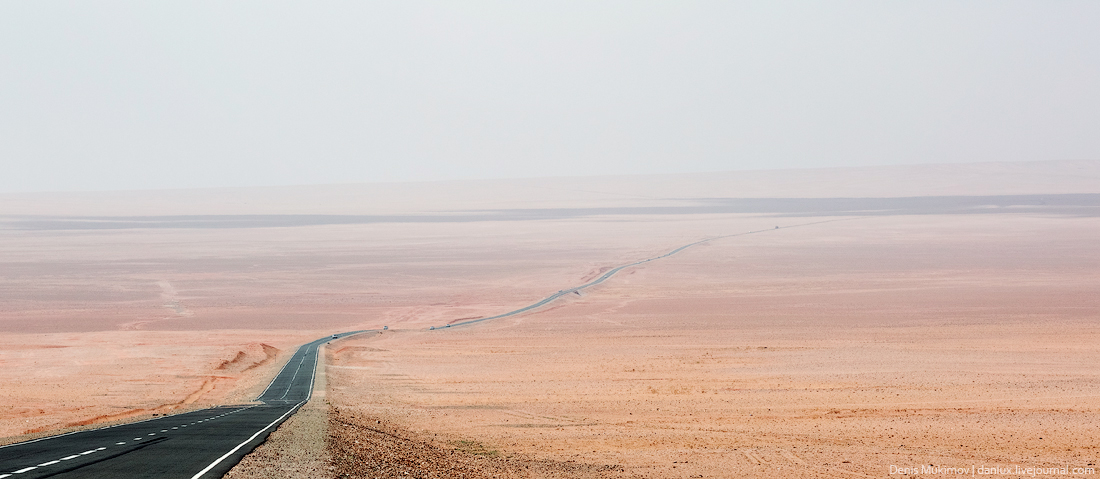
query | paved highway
[197, 444]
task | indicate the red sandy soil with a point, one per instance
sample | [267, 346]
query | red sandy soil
[884, 340]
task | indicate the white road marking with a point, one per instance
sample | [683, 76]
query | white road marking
[312, 377]
[246, 441]
[48, 463]
[165, 430]
[119, 443]
[85, 453]
[137, 438]
[25, 469]
[74, 456]
[2, 476]
[295, 376]
[272, 383]
[152, 434]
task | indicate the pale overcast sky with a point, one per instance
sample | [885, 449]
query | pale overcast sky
[135, 95]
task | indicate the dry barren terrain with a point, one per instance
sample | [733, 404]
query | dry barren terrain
[899, 317]
[831, 350]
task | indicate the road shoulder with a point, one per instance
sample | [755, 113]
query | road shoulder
[297, 448]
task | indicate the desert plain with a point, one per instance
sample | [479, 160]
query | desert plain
[937, 320]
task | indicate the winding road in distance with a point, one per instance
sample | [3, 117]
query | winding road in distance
[209, 442]
[616, 269]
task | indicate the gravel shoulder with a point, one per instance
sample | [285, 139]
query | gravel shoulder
[297, 448]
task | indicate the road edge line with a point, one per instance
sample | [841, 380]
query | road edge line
[250, 439]
[291, 358]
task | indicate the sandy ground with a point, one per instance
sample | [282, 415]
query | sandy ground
[905, 335]
[836, 350]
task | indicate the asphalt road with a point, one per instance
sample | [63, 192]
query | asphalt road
[197, 444]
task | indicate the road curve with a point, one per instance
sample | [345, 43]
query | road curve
[192, 445]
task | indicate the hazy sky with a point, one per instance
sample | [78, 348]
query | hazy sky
[124, 95]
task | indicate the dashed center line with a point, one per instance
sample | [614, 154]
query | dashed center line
[85, 453]
[50, 463]
[123, 443]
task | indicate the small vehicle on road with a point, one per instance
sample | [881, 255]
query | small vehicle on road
[335, 336]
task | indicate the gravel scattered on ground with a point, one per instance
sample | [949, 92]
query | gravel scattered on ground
[364, 446]
[296, 450]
